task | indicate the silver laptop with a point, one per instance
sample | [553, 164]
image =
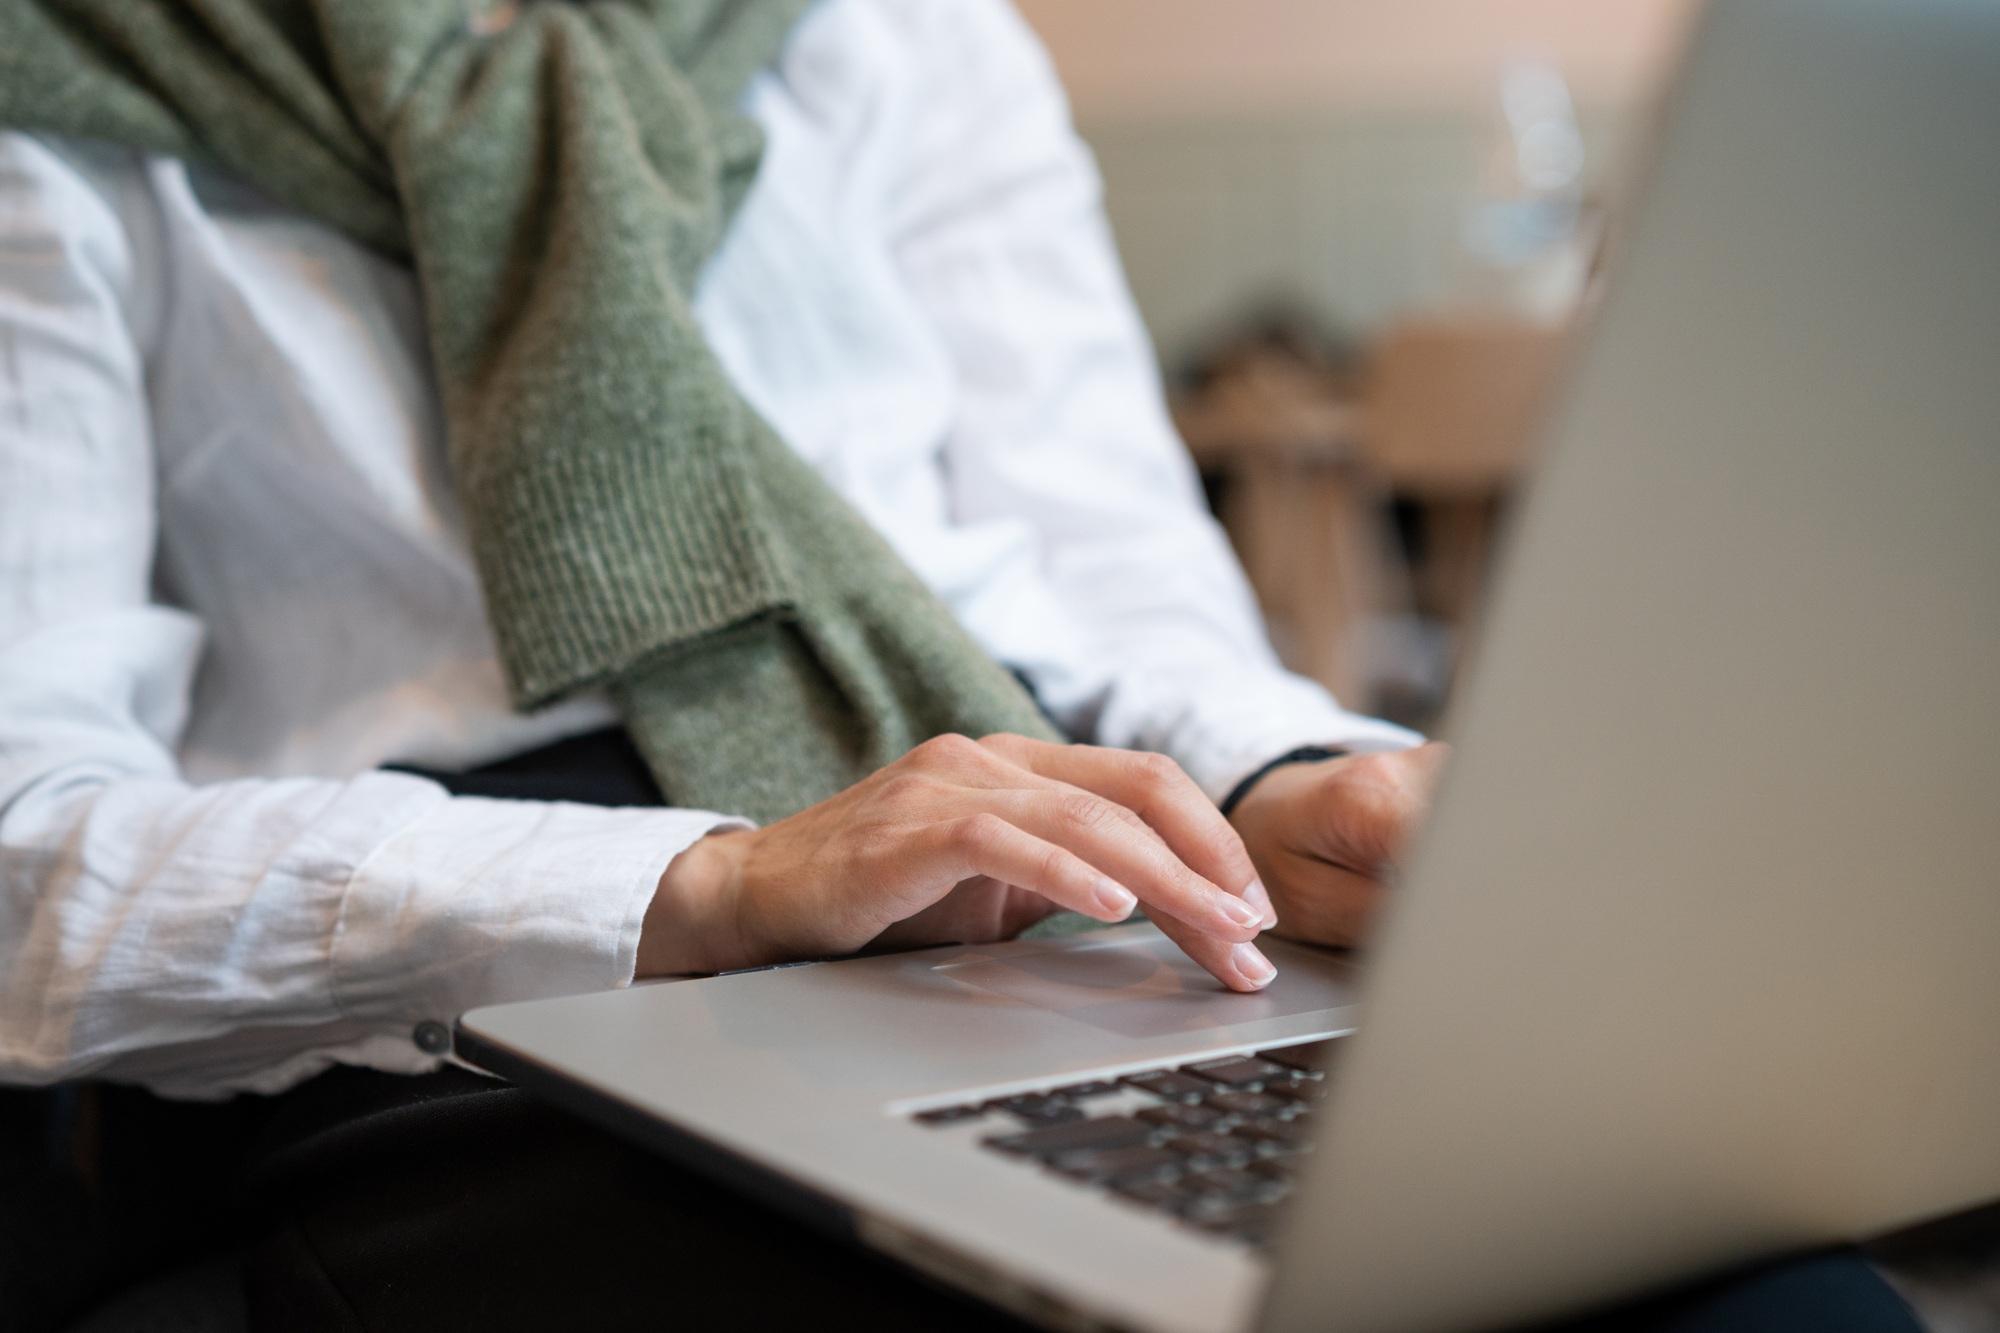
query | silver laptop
[1699, 959]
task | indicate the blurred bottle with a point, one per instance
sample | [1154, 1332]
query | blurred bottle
[1526, 237]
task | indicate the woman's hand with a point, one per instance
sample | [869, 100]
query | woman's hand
[964, 841]
[1322, 835]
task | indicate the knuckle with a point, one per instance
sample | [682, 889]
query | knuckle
[980, 833]
[946, 751]
[1375, 818]
[1370, 769]
[1158, 773]
[904, 789]
[1361, 783]
[1082, 811]
[1227, 845]
[1055, 866]
[1374, 803]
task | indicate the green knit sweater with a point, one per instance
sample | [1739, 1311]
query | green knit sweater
[557, 174]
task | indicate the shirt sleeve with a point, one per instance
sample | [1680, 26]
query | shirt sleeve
[206, 939]
[1000, 233]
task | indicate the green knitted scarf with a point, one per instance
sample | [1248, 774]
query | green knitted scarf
[557, 174]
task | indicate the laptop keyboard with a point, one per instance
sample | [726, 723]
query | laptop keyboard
[1214, 1144]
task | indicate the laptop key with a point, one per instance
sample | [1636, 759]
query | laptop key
[1308, 1056]
[1115, 1131]
[1180, 1115]
[1278, 1135]
[1228, 1183]
[1151, 1191]
[1203, 1151]
[1236, 1070]
[949, 1115]
[1167, 1084]
[1037, 1108]
[1252, 1220]
[1246, 1103]
[1297, 1090]
[1119, 1164]
[1285, 1170]
[1077, 1092]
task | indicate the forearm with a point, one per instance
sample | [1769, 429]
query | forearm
[255, 931]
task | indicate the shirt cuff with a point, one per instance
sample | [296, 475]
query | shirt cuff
[478, 901]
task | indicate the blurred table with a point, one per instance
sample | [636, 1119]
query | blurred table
[1444, 417]
[1301, 507]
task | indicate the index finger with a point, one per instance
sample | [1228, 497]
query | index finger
[1160, 792]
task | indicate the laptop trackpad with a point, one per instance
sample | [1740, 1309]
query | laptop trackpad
[1149, 988]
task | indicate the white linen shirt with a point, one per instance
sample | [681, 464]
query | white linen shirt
[233, 580]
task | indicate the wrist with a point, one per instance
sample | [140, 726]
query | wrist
[694, 923]
[1260, 776]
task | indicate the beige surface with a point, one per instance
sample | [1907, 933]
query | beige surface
[1451, 408]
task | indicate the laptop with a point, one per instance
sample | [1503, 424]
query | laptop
[1698, 960]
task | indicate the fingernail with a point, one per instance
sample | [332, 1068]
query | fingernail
[1261, 900]
[1242, 913]
[1116, 900]
[1252, 965]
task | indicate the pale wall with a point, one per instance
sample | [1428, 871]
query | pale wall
[1322, 151]
[1139, 57]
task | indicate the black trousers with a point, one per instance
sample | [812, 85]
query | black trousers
[453, 1201]
[365, 1201]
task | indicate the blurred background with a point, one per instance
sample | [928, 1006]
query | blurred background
[1359, 233]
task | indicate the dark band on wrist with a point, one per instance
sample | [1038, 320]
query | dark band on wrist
[1305, 754]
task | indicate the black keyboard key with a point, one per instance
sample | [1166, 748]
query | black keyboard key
[1119, 1164]
[1115, 1131]
[949, 1115]
[1054, 1113]
[1282, 1169]
[1236, 1071]
[1247, 1103]
[1037, 1108]
[1275, 1135]
[1167, 1084]
[1228, 1183]
[1302, 1090]
[1202, 1151]
[1179, 1115]
[1252, 1220]
[1150, 1191]
[1309, 1056]
[1023, 1101]
[1077, 1092]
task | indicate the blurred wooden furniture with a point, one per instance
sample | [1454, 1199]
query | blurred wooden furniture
[1301, 508]
[1445, 416]
[1451, 410]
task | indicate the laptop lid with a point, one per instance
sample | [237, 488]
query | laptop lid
[1700, 957]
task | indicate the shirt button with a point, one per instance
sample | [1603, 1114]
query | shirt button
[432, 1038]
